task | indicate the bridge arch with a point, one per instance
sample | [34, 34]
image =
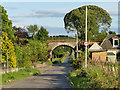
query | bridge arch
[51, 53]
[56, 43]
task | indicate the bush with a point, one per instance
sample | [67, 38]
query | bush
[35, 72]
[77, 64]
[96, 75]
[56, 62]
[49, 62]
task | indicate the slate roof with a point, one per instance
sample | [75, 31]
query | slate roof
[108, 41]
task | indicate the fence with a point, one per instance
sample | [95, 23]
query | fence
[3, 71]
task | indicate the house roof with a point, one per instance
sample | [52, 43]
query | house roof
[108, 42]
[110, 53]
[95, 47]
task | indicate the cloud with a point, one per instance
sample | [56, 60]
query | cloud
[12, 7]
[14, 19]
[41, 13]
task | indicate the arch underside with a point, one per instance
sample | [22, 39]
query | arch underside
[62, 45]
[52, 46]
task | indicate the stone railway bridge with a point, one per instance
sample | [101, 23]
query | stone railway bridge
[52, 44]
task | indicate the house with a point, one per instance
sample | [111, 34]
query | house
[97, 53]
[110, 47]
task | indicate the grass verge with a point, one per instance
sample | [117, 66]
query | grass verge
[13, 76]
[96, 75]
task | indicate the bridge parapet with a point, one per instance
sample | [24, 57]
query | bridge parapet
[48, 41]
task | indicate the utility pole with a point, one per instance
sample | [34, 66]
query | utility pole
[86, 40]
[77, 44]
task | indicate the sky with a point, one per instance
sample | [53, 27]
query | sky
[51, 14]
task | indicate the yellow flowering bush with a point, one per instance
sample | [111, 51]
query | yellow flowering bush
[8, 45]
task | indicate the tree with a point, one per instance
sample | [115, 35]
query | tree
[20, 32]
[38, 50]
[111, 32]
[6, 23]
[32, 29]
[98, 20]
[8, 51]
[42, 34]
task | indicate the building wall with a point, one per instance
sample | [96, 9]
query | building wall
[112, 58]
[99, 55]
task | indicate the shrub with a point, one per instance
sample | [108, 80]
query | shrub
[7, 46]
[77, 64]
[35, 72]
[49, 62]
[97, 75]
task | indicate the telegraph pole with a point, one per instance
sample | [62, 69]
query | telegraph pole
[77, 44]
[86, 40]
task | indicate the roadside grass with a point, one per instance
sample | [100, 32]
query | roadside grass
[64, 57]
[55, 59]
[22, 73]
[80, 82]
[96, 75]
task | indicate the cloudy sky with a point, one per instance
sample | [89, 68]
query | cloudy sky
[50, 14]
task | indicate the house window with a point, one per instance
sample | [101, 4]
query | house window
[115, 43]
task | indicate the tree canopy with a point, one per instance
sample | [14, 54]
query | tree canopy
[32, 29]
[7, 45]
[6, 23]
[42, 34]
[112, 32]
[98, 20]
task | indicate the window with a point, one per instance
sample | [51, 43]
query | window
[115, 43]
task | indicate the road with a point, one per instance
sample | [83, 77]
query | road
[53, 76]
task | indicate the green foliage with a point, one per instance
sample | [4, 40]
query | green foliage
[22, 73]
[78, 78]
[97, 20]
[77, 64]
[38, 50]
[19, 56]
[96, 75]
[7, 46]
[42, 34]
[49, 62]
[34, 50]
[111, 32]
[26, 53]
[60, 51]
[34, 71]
[6, 23]
[32, 29]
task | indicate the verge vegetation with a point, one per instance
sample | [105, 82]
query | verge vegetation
[22, 73]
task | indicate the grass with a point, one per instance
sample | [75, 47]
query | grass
[79, 82]
[96, 75]
[49, 62]
[55, 59]
[64, 57]
[22, 73]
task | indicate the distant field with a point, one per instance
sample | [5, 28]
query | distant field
[61, 38]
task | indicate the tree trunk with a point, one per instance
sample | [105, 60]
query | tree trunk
[7, 63]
